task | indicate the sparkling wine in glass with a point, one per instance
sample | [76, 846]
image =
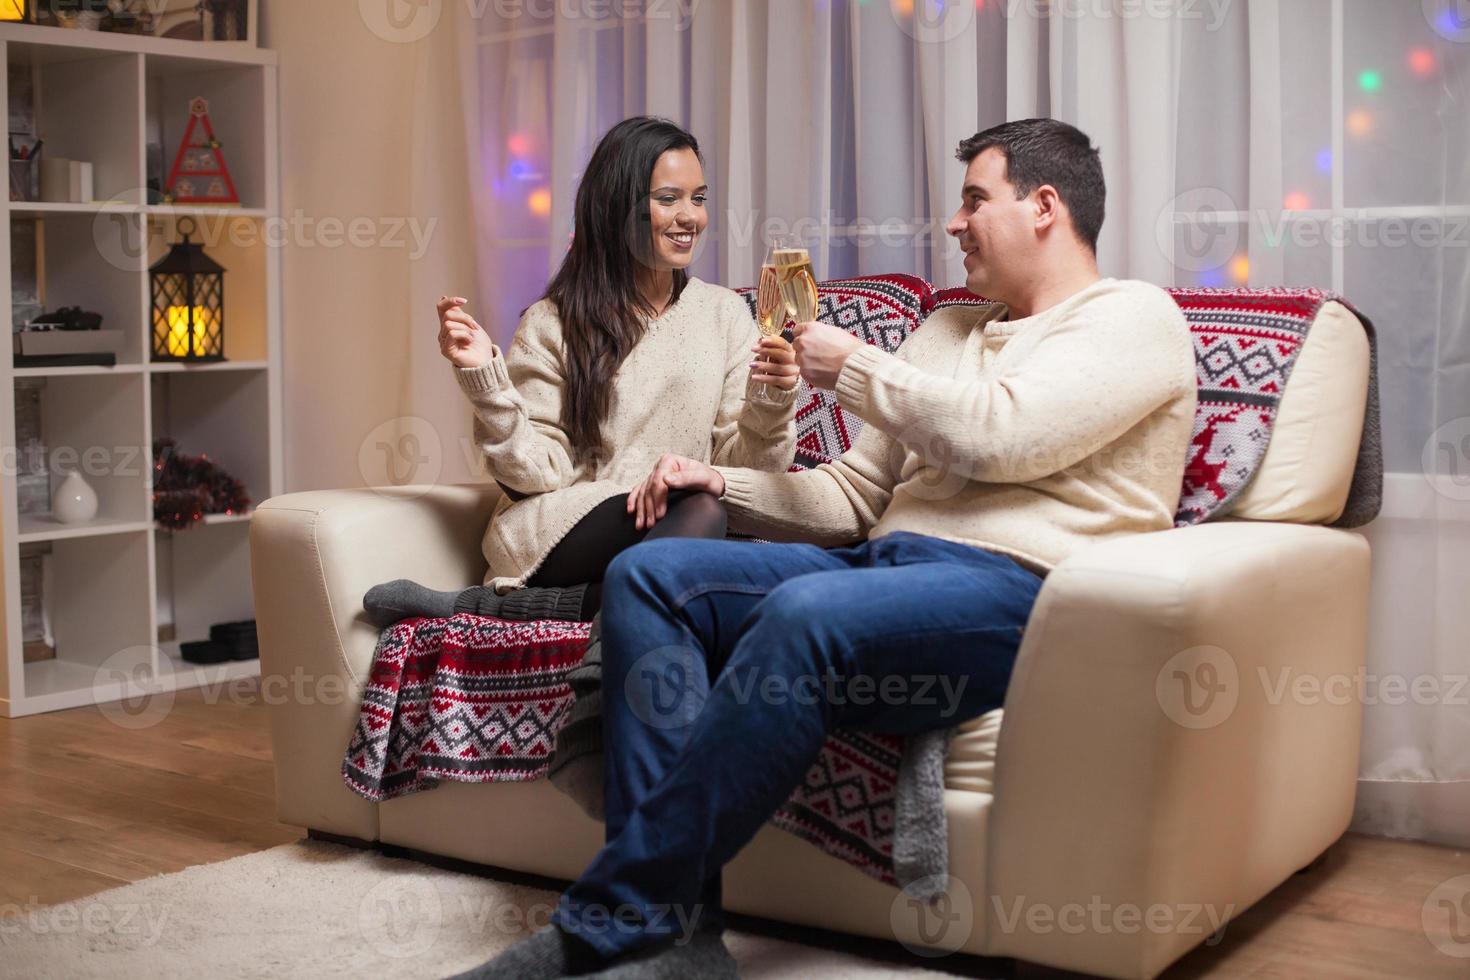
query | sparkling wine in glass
[793, 264]
[768, 303]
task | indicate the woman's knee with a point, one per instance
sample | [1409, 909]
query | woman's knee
[699, 515]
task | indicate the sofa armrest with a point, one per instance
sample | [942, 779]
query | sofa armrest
[1181, 734]
[313, 556]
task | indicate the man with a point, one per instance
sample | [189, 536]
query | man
[998, 442]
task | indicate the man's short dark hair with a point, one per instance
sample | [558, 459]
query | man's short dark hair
[1045, 151]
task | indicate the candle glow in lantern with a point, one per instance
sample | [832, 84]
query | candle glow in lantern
[188, 303]
[15, 11]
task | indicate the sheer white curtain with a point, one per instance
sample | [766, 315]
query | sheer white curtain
[1298, 142]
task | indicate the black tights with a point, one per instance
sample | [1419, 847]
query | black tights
[608, 530]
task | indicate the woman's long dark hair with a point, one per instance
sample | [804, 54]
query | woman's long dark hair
[596, 293]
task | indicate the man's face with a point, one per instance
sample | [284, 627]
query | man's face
[996, 231]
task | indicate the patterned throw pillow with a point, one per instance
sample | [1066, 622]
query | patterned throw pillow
[879, 310]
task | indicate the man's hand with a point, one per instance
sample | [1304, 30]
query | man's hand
[821, 350]
[649, 501]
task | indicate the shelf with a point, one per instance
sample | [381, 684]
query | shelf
[37, 527]
[72, 372]
[209, 520]
[39, 209]
[176, 674]
[59, 43]
[110, 584]
[179, 367]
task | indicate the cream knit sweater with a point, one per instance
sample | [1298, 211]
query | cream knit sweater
[1032, 438]
[684, 388]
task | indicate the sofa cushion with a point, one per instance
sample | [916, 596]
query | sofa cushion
[970, 764]
[1308, 468]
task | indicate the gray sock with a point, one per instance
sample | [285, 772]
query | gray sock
[524, 605]
[386, 604]
[548, 955]
[703, 956]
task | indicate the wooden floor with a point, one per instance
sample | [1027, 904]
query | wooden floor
[86, 805]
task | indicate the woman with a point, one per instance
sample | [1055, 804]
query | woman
[625, 358]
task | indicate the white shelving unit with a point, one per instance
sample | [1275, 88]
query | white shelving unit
[119, 579]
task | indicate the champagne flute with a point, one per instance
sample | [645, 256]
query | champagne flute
[793, 264]
[767, 303]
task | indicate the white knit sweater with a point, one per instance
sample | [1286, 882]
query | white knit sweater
[1032, 438]
[684, 388]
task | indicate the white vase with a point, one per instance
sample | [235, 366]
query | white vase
[74, 501]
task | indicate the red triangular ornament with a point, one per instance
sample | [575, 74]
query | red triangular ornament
[200, 175]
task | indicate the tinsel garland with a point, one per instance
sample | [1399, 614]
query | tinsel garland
[185, 487]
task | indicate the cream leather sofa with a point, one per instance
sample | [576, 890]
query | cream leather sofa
[1159, 760]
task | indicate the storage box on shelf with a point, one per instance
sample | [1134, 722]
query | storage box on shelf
[121, 593]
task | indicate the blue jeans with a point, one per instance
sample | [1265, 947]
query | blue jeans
[725, 665]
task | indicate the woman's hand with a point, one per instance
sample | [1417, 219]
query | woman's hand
[462, 341]
[649, 501]
[776, 363]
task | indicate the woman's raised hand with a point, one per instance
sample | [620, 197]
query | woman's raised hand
[775, 363]
[462, 341]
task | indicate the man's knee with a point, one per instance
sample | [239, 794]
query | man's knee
[802, 610]
[647, 568]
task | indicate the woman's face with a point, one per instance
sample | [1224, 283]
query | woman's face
[676, 206]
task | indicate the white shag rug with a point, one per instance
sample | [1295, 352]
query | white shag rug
[315, 909]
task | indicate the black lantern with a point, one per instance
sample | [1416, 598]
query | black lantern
[15, 11]
[188, 303]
